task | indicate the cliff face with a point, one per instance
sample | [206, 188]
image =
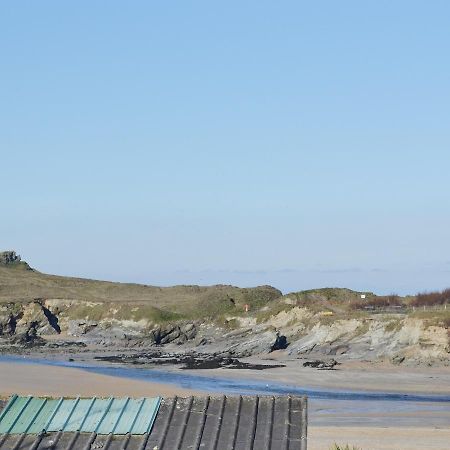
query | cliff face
[29, 323]
[300, 331]
[390, 337]
[36, 309]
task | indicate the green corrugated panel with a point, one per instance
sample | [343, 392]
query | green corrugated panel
[41, 421]
[63, 414]
[13, 414]
[28, 415]
[116, 410]
[78, 416]
[8, 405]
[98, 411]
[127, 418]
[103, 416]
[145, 418]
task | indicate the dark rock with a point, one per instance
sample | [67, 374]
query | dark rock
[52, 319]
[321, 365]
[8, 324]
[398, 359]
[280, 343]
[66, 344]
[29, 338]
[186, 360]
[9, 257]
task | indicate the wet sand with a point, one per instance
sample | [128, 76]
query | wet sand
[36, 379]
[350, 376]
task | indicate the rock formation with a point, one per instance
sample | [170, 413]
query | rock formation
[9, 257]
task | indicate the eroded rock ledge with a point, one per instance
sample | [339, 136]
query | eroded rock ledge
[48, 324]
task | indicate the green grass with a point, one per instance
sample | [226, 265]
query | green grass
[164, 303]
[146, 312]
[433, 317]
[82, 311]
[394, 325]
[333, 295]
[18, 265]
[99, 311]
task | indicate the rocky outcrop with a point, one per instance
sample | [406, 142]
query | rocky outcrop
[325, 336]
[300, 331]
[411, 341]
[249, 343]
[280, 343]
[8, 321]
[23, 319]
[36, 315]
[176, 334]
[10, 258]
[81, 327]
[188, 360]
[321, 365]
[29, 338]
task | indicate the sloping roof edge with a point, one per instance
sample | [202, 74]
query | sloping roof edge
[33, 415]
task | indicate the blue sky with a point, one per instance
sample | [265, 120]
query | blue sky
[289, 143]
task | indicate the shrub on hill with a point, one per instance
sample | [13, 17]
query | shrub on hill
[432, 298]
[379, 302]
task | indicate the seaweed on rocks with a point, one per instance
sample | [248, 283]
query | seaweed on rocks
[187, 361]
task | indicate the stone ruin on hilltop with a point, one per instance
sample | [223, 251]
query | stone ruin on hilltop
[12, 259]
[9, 257]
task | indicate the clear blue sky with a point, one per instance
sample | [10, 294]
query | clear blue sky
[299, 144]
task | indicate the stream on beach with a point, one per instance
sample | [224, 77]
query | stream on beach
[326, 407]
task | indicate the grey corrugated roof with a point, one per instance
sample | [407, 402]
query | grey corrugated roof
[206, 423]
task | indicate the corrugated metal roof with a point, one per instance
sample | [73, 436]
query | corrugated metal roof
[33, 415]
[206, 423]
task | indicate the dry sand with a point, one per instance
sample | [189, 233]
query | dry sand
[374, 438]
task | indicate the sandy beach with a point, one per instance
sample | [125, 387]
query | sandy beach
[377, 438]
[36, 379]
[39, 379]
